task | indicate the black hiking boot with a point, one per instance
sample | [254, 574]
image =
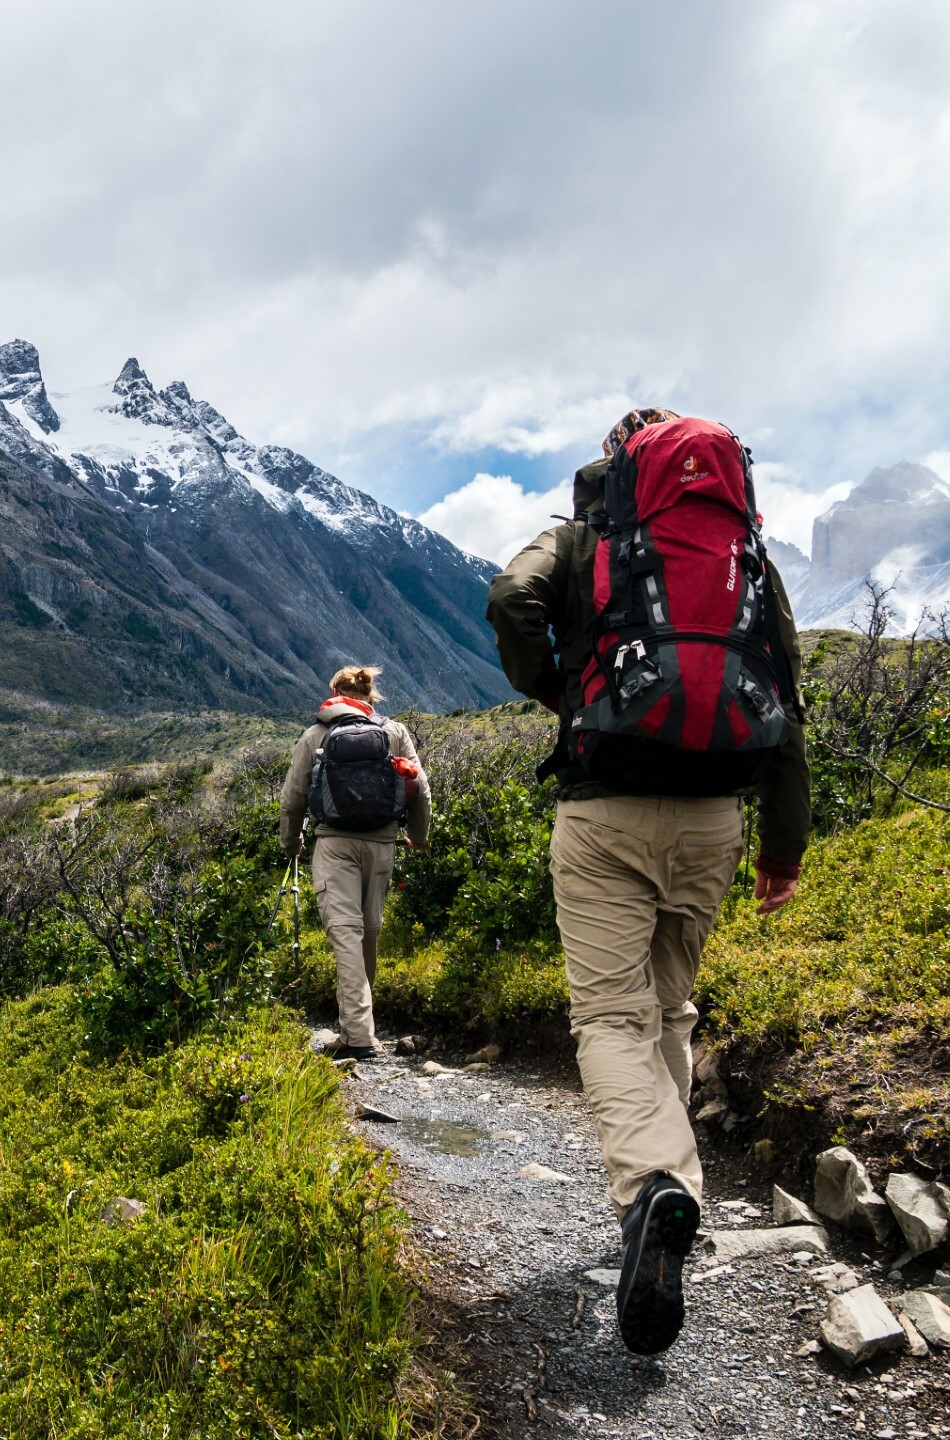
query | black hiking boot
[350, 1052]
[657, 1234]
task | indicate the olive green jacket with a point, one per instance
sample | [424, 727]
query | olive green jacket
[548, 587]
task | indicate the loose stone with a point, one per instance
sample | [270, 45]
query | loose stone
[918, 1211]
[859, 1326]
[916, 1343]
[787, 1210]
[534, 1171]
[930, 1315]
[843, 1192]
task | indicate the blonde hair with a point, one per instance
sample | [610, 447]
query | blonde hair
[356, 681]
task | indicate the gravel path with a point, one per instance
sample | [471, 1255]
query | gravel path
[513, 1265]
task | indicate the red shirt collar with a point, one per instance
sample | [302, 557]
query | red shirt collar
[346, 700]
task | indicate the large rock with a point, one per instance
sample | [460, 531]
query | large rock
[859, 1326]
[917, 1207]
[733, 1244]
[843, 1192]
[787, 1210]
[930, 1315]
[712, 1111]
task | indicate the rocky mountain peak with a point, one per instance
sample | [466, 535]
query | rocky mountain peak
[131, 372]
[21, 380]
[900, 484]
[256, 573]
[138, 398]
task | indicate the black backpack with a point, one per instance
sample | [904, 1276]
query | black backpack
[354, 784]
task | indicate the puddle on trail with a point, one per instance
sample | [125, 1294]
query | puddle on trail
[448, 1137]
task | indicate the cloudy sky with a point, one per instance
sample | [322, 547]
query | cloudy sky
[441, 247]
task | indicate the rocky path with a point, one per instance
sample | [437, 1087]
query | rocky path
[500, 1172]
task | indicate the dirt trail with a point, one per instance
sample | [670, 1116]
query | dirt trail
[513, 1262]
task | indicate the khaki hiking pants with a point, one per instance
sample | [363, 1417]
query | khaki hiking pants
[351, 877]
[638, 881]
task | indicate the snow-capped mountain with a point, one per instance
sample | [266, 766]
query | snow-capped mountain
[894, 529]
[160, 555]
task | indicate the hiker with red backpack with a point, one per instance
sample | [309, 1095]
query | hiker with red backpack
[655, 627]
[358, 775]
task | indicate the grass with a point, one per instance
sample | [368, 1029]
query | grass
[867, 938]
[260, 1292]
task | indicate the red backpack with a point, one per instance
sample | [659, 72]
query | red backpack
[682, 693]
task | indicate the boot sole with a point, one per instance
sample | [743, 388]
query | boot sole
[650, 1307]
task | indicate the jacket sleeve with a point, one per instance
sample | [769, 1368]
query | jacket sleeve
[294, 795]
[524, 601]
[785, 789]
[420, 811]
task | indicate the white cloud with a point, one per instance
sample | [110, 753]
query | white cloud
[494, 517]
[419, 216]
[939, 462]
[787, 508]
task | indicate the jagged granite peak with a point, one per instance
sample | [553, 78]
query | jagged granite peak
[217, 426]
[901, 484]
[21, 380]
[130, 373]
[178, 390]
[138, 398]
[898, 517]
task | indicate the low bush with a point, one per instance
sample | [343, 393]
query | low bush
[485, 873]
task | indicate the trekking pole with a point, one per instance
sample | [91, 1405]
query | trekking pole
[280, 895]
[296, 894]
[291, 867]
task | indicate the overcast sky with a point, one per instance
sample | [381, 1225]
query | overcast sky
[441, 247]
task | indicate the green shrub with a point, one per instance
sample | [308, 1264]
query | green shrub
[185, 951]
[485, 872]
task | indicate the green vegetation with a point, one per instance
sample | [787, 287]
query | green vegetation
[146, 1053]
[867, 939]
[257, 1295]
[261, 1293]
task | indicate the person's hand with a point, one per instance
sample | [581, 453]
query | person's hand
[773, 893]
[415, 844]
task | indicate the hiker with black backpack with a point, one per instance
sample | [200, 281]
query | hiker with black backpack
[358, 775]
[653, 624]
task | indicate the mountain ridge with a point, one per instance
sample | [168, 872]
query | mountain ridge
[266, 569]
